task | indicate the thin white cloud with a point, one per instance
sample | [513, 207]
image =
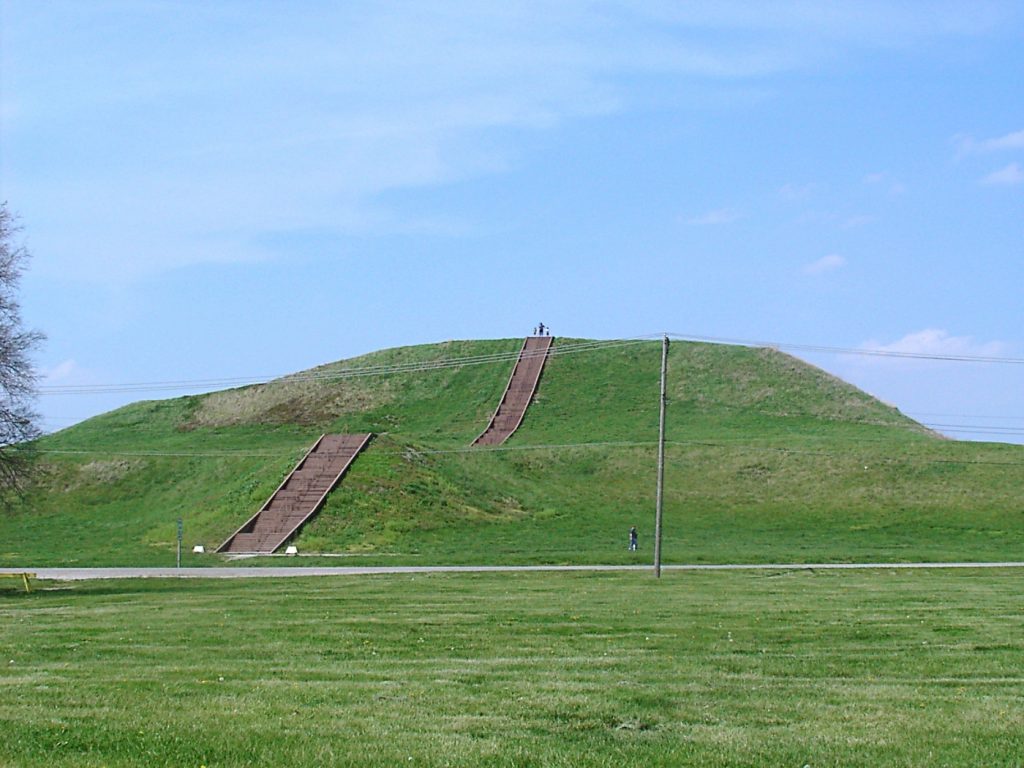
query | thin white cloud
[718, 216]
[825, 264]
[1009, 141]
[936, 341]
[1007, 176]
[793, 191]
[882, 179]
[61, 372]
[964, 144]
[968, 144]
[869, 22]
[840, 220]
[303, 121]
[857, 220]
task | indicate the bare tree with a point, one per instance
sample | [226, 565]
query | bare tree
[17, 375]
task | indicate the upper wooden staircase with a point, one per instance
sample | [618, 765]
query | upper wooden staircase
[522, 385]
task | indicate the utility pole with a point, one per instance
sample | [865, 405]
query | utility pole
[661, 460]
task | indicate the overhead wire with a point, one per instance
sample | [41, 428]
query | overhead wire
[346, 372]
[964, 416]
[866, 351]
[992, 429]
[740, 444]
[977, 429]
[330, 373]
[550, 447]
[327, 373]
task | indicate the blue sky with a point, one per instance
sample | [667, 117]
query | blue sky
[250, 188]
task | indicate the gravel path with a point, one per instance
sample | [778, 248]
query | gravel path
[80, 574]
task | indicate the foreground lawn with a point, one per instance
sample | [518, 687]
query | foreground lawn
[892, 668]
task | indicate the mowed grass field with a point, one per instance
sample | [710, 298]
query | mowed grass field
[872, 668]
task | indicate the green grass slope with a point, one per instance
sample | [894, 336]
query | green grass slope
[769, 459]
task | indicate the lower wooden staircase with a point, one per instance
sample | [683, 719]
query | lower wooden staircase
[299, 497]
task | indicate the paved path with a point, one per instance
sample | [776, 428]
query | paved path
[79, 574]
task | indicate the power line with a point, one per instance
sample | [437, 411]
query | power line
[403, 452]
[167, 454]
[964, 416]
[846, 455]
[319, 375]
[797, 416]
[497, 357]
[824, 419]
[335, 375]
[552, 447]
[850, 350]
[962, 428]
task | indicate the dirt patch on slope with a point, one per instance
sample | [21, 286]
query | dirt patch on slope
[304, 402]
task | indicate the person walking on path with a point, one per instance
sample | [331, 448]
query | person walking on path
[632, 539]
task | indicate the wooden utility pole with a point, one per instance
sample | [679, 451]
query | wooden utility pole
[661, 460]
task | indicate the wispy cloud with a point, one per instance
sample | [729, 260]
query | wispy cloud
[856, 220]
[61, 372]
[1009, 175]
[836, 219]
[870, 22]
[1009, 141]
[793, 191]
[825, 264]
[886, 181]
[717, 216]
[239, 119]
[968, 144]
[938, 342]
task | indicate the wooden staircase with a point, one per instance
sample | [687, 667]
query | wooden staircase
[299, 497]
[522, 385]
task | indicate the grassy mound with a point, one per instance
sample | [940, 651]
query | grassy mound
[769, 459]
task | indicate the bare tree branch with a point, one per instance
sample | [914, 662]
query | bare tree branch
[18, 379]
